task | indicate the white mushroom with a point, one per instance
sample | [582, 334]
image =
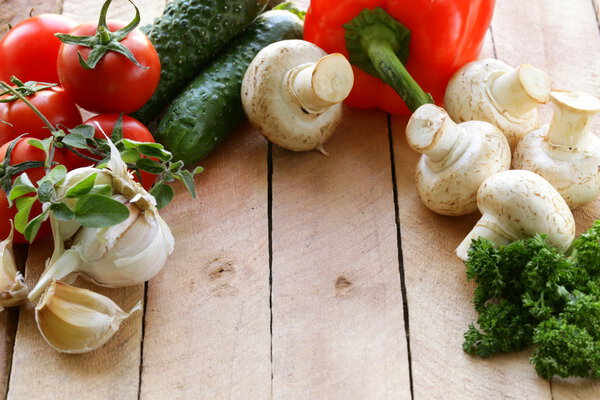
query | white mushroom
[292, 92]
[456, 158]
[565, 152]
[492, 91]
[517, 204]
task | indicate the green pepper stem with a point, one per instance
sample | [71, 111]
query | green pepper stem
[378, 44]
[393, 72]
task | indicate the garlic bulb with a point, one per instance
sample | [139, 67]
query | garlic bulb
[128, 253]
[75, 320]
[13, 290]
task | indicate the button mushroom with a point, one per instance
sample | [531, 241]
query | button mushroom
[517, 204]
[292, 92]
[565, 152]
[456, 159]
[490, 90]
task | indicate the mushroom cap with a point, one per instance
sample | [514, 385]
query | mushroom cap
[572, 171]
[522, 204]
[452, 189]
[271, 107]
[467, 98]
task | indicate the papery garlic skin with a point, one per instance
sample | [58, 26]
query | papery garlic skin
[74, 320]
[125, 254]
[13, 290]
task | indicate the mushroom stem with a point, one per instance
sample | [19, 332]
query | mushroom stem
[317, 86]
[521, 90]
[573, 114]
[488, 228]
[432, 132]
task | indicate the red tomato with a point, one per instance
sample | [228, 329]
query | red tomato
[132, 129]
[116, 84]
[29, 50]
[56, 106]
[23, 151]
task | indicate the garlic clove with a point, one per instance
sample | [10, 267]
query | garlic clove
[13, 290]
[75, 320]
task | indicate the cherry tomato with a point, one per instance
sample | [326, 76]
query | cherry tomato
[132, 129]
[116, 84]
[29, 50]
[54, 103]
[23, 151]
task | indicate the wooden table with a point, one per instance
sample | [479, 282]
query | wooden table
[300, 276]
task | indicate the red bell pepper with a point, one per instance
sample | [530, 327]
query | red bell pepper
[394, 41]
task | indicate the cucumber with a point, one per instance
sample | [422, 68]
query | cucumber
[188, 35]
[210, 106]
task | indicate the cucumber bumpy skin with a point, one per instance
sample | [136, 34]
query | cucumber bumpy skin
[210, 107]
[186, 37]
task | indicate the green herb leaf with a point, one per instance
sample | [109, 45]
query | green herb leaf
[37, 144]
[57, 174]
[104, 190]
[82, 187]
[84, 130]
[149, 165]
[46, 191]
[21, 187]
[187, 178]
[75, 140]
[24, 205]
[291, 7]
[62, 211]
[163, 195]
[130, 156]
[155, 150]
[33, 227]
[96, 211]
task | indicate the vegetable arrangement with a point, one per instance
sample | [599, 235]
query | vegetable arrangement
[74, 177]
[99, 184]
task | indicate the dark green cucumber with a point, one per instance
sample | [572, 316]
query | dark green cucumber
[188, 35]
[210, 106]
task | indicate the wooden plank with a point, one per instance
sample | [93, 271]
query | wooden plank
[110, 372]
[207, 331]
[14, 11]
[88, 10]
[338, 327]
[440, 298]
[11, 13]
[565, 42]
[40, 372]
[440, 303]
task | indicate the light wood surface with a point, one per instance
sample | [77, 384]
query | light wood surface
[304, 276]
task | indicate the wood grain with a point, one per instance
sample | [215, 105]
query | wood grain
[338, 328]
[40, 372]
[565, 42]
[88, 10]
[207, 333]
[11, 13]
[439, 297]
[14, 11]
